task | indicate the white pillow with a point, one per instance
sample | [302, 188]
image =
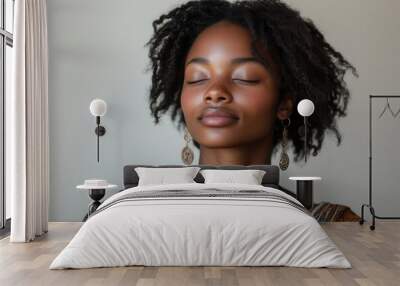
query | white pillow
[249, 177]
[161, 176]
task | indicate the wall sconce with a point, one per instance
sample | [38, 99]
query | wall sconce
[305, 109]
[98, 108]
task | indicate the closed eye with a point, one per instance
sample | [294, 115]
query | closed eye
[246, 81]
[196, 81]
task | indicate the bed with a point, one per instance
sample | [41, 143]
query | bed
[201, 224]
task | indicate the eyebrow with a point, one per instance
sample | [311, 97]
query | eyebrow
[233, 61]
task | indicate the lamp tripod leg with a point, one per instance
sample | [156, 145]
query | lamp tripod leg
[362, 215]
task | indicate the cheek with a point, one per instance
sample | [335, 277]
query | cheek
[259, 107]
[185, 104]
[189, 102]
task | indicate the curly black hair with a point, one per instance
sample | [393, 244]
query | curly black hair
[310, 68]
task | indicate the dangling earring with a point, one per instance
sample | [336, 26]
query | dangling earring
[284, 161]
[187, 153]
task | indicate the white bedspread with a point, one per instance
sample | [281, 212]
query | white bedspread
[200, 231]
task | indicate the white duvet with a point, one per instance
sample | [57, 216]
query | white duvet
[200, 231]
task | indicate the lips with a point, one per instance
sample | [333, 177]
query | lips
[218, 117]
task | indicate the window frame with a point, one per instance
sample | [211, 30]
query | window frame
[6, 39]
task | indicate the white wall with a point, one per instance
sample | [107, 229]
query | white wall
[97, 50]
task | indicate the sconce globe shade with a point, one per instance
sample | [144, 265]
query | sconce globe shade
[305, 107]
[98, 107]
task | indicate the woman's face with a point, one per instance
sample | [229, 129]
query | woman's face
[228, 98]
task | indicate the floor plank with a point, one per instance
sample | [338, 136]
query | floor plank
[374, 255]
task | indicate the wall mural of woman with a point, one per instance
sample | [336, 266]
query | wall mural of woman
[232, 73]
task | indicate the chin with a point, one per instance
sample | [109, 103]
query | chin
[234, 139]
[213, 144]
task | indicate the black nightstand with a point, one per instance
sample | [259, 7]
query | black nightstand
[304, 190]
[96, 194]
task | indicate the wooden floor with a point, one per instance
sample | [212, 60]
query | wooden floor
[374, 255]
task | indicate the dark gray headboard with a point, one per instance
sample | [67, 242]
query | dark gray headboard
[271, 177]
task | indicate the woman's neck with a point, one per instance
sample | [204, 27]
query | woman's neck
[254, 153]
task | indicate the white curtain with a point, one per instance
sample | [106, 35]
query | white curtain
[27, 125]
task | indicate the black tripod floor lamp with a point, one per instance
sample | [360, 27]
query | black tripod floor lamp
[394, 114]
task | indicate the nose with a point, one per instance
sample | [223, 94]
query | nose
[217, 94]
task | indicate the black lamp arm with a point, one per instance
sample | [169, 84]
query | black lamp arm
[100, 131]
[305, 138]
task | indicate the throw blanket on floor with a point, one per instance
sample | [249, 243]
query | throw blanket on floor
[328, 212]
